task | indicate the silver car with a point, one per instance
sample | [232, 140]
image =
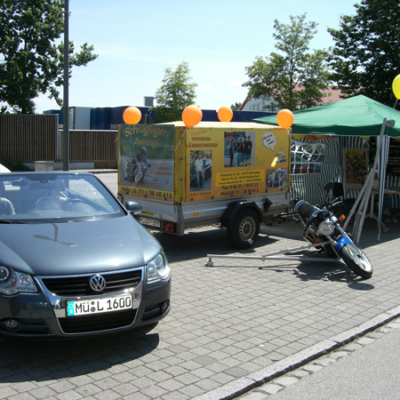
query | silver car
[73, 260]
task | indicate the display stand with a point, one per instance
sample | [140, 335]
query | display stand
[280, 255]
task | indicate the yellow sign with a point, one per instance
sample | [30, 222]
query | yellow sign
[224, 162]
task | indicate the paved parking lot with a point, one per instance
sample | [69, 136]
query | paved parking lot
[230, 324]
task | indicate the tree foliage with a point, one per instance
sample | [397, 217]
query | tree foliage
[366, 55]
[294, 77]
[31, 54]
[176, 92]
[236, 106]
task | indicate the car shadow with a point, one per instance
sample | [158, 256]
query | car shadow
[43, 360]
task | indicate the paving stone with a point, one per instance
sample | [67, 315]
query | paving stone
[375, 335]
[254, 396]
[312, 368]
[365, 340]
[88, 390]
[299, 373]
[125, 389]
[7, 392]
[69, 395]
[352, 347]
[108, 395]
[324, 361]
[271, 388]
[394, 325]
[286, 381]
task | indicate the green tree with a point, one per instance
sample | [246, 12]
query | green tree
[294, 77]
[236, 106]
[176, 92]
[31, 56]
[366, 55]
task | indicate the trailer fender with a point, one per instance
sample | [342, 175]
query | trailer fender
[234, 208]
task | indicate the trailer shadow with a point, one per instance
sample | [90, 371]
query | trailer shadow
[198, 243]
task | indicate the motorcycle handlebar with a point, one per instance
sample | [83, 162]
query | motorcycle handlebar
[335, 202]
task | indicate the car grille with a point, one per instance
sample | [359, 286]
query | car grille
[98, 322]
[79, 285]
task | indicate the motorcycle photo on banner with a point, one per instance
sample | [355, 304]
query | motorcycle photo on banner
[136, 166]
[322, 227]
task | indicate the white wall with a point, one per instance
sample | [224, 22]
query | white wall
[257, 105]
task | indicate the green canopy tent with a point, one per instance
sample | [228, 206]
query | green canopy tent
[356, 116]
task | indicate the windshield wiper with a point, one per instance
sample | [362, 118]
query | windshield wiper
[9, 221]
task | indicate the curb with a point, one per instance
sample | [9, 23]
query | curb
[249, 382]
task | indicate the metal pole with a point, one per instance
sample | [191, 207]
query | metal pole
[66, 76]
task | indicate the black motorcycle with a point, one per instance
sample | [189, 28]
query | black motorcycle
[136, 170]
[322, 226]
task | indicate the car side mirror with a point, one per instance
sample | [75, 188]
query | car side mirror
[133, 207]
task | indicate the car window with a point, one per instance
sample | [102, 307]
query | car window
[38, 196]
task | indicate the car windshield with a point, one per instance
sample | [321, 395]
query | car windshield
[34, 197]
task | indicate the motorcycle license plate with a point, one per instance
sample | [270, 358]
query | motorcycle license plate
[101, 305]
[155, 223]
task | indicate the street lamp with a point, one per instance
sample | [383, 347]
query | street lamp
[66, 76]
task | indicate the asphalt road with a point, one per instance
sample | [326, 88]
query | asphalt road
[111, 180]
[369, 373]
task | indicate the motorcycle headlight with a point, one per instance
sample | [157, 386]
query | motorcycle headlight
[13, 282]
[325, 228]
[158, 268]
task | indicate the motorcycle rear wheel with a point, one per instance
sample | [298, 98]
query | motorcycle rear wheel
[356, 260]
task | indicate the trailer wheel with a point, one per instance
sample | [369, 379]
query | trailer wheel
[245, 229]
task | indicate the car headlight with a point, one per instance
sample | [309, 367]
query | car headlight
[13, 282]
[158, 268]
[325, 228]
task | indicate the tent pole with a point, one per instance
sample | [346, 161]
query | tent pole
[382, 179]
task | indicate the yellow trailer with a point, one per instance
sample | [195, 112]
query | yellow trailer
[235, 174]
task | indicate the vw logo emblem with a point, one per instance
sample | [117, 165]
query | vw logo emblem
[97, 283]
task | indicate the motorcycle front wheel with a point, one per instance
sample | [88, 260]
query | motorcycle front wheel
[356, 260]
[139, 175]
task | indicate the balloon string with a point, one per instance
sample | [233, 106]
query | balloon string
[180, 140]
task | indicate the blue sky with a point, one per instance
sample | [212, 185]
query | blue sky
[137, 40]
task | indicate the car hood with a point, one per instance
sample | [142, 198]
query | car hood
[76, 247]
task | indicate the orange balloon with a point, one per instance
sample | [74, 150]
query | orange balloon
[191, 116]
[132, 116]
[225, 114]
[285, 118]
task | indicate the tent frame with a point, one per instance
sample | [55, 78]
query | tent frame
[363, 197]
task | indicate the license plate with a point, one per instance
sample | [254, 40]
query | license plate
[97, 306]
[150, 222]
